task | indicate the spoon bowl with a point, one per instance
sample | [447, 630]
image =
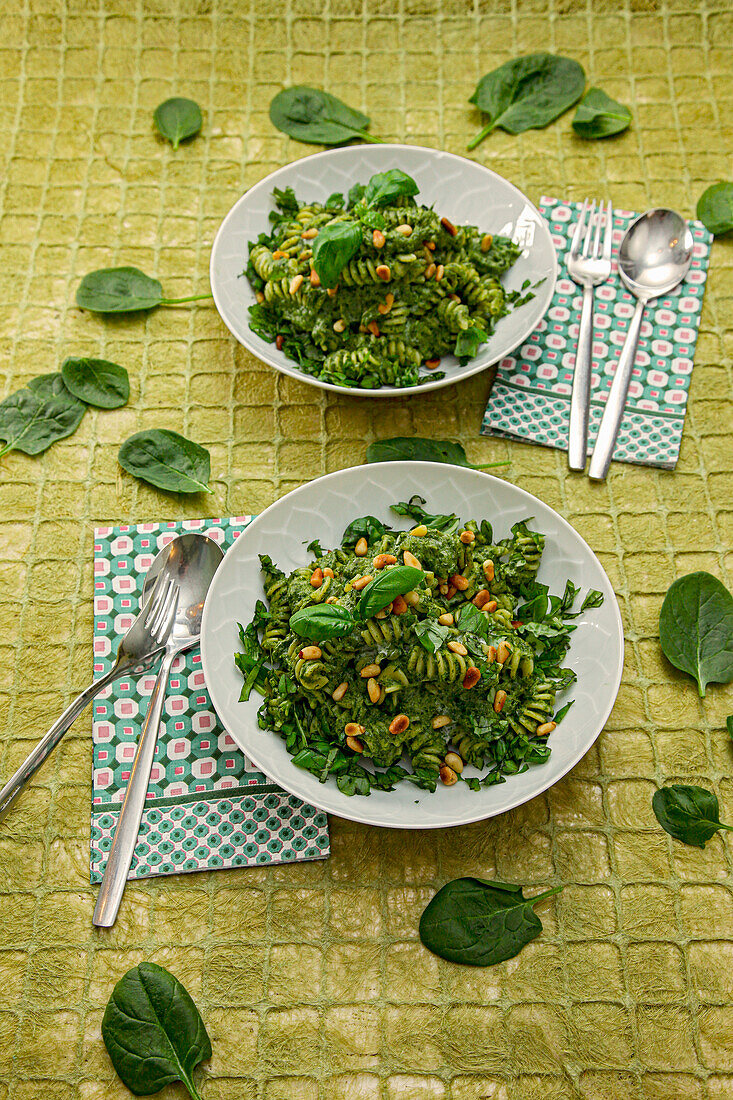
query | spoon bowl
[655, 253]
[190, 560]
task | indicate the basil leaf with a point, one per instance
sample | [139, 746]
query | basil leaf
[153, 1031]
[371, 218]
[311, 115]
[599, 116]
[696, 628]
[178, 119]
[468, 343]
[334, 246]
[415, 448]
[321, 621]
[33, 418]
[431, 635]
[414, 509]
[167, 460]
[389, 584]
[715, 208]
[335, 201]
[366, 527]
[97, 382]
[470, 618]
[355, 195]
[689, 814]
[480, 923]
[527, 93]
[118, 290]
[384, 187]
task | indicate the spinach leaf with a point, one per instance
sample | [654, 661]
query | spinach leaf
[414, 509]
[334, 246]
[430, 634]
[729, 725]
[355, 195]
[415, 448]
[478, 922]
[371, 218]
[178, 119]
[322, 620]
[715, 208]
[153, 1031]
[254, 676]
[469, 618]
[384, 187]
[593, 598]
[689, 814]
[167, 460]
[599, 116]
[314, 547]
[384, 588]
[696, 628]
[468, 342]
[33, 418]
[562, 712]
[96, 382]
[527, 93]
[366, 527]
[286, 200]
[311, 115]
[124, 290]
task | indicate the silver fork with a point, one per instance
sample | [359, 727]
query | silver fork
[588, 264]
[144, 640]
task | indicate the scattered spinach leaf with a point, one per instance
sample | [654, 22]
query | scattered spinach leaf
[313, 116]
[414, 509]
[599, 116]
[153, 1031]
[97, 382]
[468, 342]
[178, 119]
[715, 208]
[384, 187]
[527, 93]
[696, 628]
[689, 814]
[366, 527]
[124, 290]
[386, 587]
[319, 621]
[33, 418]
[167, 460]
[334, 246]
[415, 448]
[430, 634]
[479, 922]
[729, 725]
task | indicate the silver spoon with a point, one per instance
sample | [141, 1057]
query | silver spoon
[655, 255]
[191, 563]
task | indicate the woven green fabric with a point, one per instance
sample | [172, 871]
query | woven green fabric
[310, 977]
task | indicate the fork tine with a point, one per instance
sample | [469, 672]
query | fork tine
[155, 598]
[597, 237]
[166, 623]
[608, 236]
[589, 231]
[162, 609]
[575, 246]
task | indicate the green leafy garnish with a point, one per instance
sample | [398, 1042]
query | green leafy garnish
[696, 628]
[124, 290]
[366, 527]
[333, 248]
[97, 382]
[384, 187]
[689, 814]
[386, 587]
[599, 116]
[430, 634]
[312, 115]
[178, 119]
[320, 621]
[479, 922]
[414, 448]
[715, 208]
[414, 509]
[166, 460]
[729, 725]
[33, 418]
[468, 342]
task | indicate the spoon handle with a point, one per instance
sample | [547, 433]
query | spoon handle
[131, 812]
[614, 410]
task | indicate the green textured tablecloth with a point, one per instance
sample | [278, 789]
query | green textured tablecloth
[311, 978]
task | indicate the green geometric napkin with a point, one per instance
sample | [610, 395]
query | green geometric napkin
[530, 398]
[207, 806]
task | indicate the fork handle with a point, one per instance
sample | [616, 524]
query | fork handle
[614, 410]
[131, 812]
[580, 399]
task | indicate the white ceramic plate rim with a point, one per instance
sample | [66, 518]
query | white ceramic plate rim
[491, 353]
[357, 808]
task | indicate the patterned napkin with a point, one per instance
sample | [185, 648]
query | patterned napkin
[530, 398]
[207, 806]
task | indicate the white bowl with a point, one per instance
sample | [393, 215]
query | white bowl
[322, 509]
[460, 189]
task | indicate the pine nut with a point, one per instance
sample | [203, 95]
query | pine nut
[430, 271]
[295, 283]
[458, 647]
[446, 619]
[384, 559]
[354, 744]
[499, 701]
[502, 652]
[383, 613]
[486, 242]
[471, 678]
[481, 598]
[373, 690]
[340, 325]
[332, 599]
[338, 693]
[467, 537]
[453, 760]
[399, 724]
[328, 571]
[317, 577]
[441, 720]
[353, 729]
[373, 328]
[448, 226]
[443, 589]
[259, 297]
[331, 291]
[458, 582]
[439, 273]
[370, 670]
[383, 273]
[489, 571]
[278, 255]
[491, 606]
[412, 599]
[315, 278]
[310, 653]
[491, 655]
[451, 592]
[432, 364]
[399, 607]
[309, 234]
[378, 238]
[410, 559]
[430, 245]
[545, 729]
[420, 531]
[279, 341]
[405, 230]
[447, 775]
[361, 582]
[361, 548]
